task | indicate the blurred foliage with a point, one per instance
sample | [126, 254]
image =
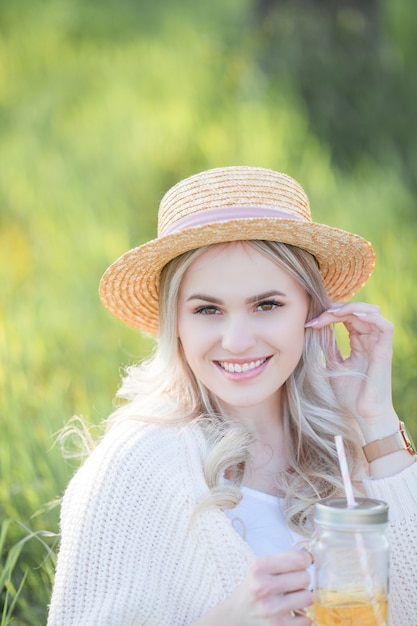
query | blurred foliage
[104, 105]
[354, 64]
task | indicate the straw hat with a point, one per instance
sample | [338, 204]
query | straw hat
[228, 204]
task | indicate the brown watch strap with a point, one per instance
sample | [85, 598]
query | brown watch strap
[387, 445]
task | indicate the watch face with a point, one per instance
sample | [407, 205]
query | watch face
[407, 440]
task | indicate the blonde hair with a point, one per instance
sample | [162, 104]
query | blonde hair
[163, 390]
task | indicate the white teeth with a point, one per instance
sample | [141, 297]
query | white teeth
[244, 367]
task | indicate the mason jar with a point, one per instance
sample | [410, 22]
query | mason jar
[351, 563]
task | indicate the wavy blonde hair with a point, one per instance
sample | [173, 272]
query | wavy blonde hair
[163, 390]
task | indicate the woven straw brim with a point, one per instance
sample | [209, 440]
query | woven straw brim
[129, 287]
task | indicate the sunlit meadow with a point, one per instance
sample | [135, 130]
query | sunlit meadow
[102, 109]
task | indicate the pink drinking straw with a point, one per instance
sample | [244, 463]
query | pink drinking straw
[345, 472]
[351, 503]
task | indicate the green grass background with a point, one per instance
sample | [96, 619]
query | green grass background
[103, 106]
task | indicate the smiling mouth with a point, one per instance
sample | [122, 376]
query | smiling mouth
[235, 368]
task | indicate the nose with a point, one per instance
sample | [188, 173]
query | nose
[238, 336]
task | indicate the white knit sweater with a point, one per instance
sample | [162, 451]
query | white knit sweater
[130, 555]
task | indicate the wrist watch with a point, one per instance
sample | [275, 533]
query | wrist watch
[387, 445]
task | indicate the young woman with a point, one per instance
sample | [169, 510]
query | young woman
[188, 510]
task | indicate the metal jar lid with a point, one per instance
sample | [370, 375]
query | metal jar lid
[335, 512]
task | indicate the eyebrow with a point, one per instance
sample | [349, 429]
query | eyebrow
[250, 300]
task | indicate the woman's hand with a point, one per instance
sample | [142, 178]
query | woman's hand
[368, 396]
[275, 590]
[274, 593]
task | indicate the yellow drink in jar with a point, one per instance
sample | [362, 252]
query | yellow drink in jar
[352, 609]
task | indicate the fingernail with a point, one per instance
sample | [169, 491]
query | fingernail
[335, 308]
[359, 314]
[312, 322]
[299, 613]
[307, 550]
[304, 544]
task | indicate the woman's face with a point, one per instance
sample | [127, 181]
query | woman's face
[241, 325]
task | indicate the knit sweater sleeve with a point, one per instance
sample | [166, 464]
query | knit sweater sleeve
[130, 554]
[400, 492]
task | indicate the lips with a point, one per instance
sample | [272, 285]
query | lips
[245, 366]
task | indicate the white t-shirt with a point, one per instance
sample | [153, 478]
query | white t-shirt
[260, 521]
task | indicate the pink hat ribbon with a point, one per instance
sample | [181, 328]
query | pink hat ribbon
[224, 214]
